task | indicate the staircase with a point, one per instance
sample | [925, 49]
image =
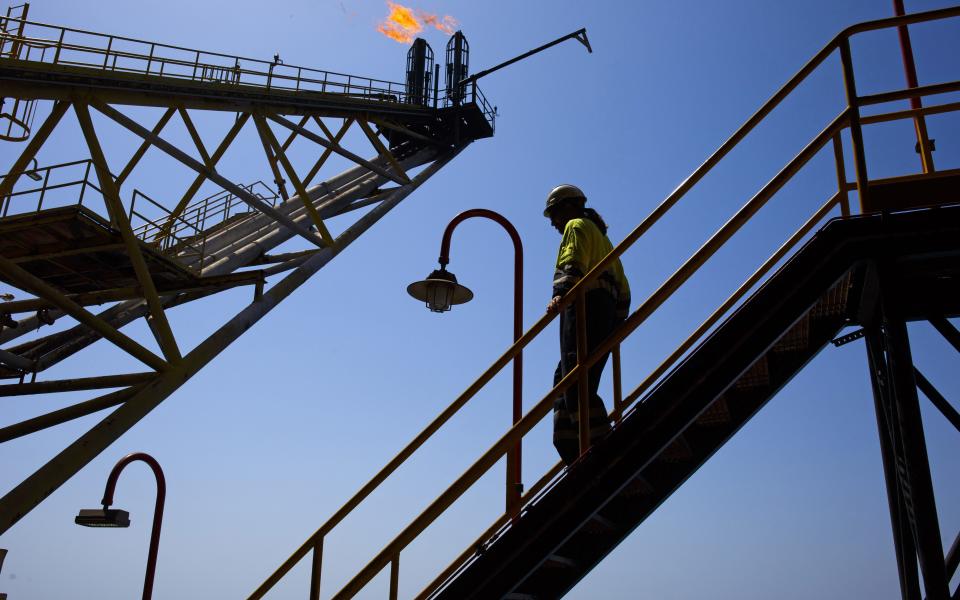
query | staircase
[705, 400]
[905, 240]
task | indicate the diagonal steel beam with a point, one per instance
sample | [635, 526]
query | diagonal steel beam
[161, 329]
[16, 361]
[327, 152]
[337, 148]
[38, 486]
[75, 385]
[381, 149]
[210, 174]
[69, 413]
[293, 134]
[195, 186]
[270, 140]
[937, 399]
[194, 135]
[33, 146]
[23, 279]
[144, 147]
[948, 331]
[272, 162]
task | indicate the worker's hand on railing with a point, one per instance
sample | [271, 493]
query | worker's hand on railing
[554, 305]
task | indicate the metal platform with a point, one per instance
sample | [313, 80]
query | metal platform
[77, 251]
[913, 191]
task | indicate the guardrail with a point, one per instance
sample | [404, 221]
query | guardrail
[66, 46]
[848, 119]
[186, 240]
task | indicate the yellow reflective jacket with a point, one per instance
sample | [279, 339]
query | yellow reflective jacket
[582, 247]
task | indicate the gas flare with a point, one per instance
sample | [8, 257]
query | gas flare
[403, 23]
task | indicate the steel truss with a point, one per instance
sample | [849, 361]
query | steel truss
[906, 466]
[235, 251]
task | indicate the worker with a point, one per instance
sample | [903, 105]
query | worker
[583, 246]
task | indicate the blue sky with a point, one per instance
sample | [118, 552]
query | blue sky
[272, 437]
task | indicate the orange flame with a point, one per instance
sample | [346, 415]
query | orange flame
[403, 23]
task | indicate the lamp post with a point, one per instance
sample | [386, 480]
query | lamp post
[441, 291]
[107, 517]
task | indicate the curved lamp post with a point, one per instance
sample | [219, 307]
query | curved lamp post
[441, 291]
[107, 517]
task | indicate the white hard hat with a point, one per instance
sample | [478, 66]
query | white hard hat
[564, 193]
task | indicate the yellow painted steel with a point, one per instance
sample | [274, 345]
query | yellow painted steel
[381, 149]
[28, 154]
[293, 134]
[841, 175]
[327, 151]
[205, 285]
[198, 181]
[38, 287]
[164, 119]
[74, 385]
[160, 325]
[272, 159]
[497, 525]
[583, 382]
[269, 139]
[730, 302]
[48, 478]
[335, 147]
[211, 174]
[849, 118]
[195, 136]
[69, 413]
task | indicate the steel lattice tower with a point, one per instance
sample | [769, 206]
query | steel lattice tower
[141, 257]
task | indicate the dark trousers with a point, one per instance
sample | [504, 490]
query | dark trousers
[601, 320]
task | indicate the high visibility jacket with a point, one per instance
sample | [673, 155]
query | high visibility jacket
[583, 246]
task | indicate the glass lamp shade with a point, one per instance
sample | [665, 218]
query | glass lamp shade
[440, 291]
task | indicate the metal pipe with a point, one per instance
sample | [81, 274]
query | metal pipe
[514, 457]
[906, 114]
[580, 35]
[910, 72]
[856, 134]
[583, 383]
[157, 510]
[923, 90]
[316, 567]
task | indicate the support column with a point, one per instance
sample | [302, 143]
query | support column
[916, 495]
[903, 545]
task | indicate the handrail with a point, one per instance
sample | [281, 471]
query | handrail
[231, 70]
[390, 554]
[45, 186]
[475, 471]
